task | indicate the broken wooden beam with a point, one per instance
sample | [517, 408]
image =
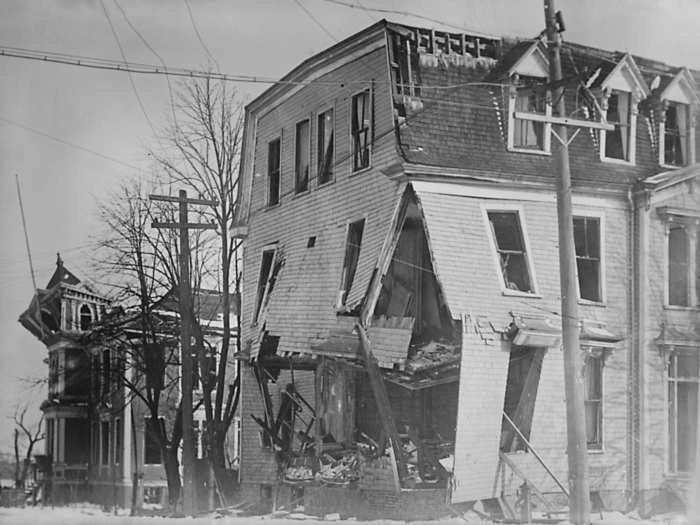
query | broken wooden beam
[381, 397]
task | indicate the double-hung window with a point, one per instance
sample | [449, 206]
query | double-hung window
[618, 142]
[530, 135]
[361, 130]
[683, 372]
[676, 136]
[302, 156]
[588, 257]
[325, 146]
[352, 257]
[510, 246]
[683, 265]
[273, 172]
[593, 401]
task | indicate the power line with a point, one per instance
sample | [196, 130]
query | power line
[67, 143]
[131, 78]
[199, 36]
[315, 20]
[414, 15]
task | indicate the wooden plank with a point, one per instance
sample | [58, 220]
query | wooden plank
[381, 397]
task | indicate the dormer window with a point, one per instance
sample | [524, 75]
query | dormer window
[529, 102]
[619, 93]
[678, 103]
[618, 142]
[675, 134]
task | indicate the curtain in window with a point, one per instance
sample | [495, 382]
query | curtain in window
[623, 115]
[528, 133]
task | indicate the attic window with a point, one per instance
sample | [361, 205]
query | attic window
[619, 143]
[352, 256]
[676, 136]
[527, 98]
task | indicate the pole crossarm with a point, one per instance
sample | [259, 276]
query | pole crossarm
[168, 198]
[185, 226]
[563, 121]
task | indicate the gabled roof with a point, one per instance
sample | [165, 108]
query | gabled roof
[681, 88]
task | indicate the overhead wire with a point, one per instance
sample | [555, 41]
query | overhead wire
[67, 143]
[199, 36]
[315, 20]
[131, 78]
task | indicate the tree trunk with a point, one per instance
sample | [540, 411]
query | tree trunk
[172, 474]
[19, 482]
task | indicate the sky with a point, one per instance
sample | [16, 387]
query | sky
[72, 134]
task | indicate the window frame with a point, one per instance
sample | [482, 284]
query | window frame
[306, 120]
[118, 440]
[268, 176]
[689, 136]
[331, 177]
[341, 300]
[146, 419]
[261, 298]
[370, 144]
[518, 209]
[599, 444]
[671, 462]
[600, 217]
[693, 267]
[546, 126]
[631, 131]
[105, 442]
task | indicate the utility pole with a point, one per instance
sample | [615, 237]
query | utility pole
[186, 320]
[577, 450]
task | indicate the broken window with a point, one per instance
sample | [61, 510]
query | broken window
[325, 146]
[593, 400]
[273, 172]
[617, 141]
[524, 369]
[151, 447]
[682, 410]
[352, 256]
[302, 157]
[678, 266]
[510, 245]
[104, 435]
[361, 130]
[675, 139]
[530, 134]
[268, 257]
[587, 244]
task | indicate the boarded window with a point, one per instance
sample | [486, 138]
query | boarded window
[510, 244]
[268, 257]
[302, 157]
[352, 256]
[617, 141]
[151, 447]
[682, 410]
[587, 243]
[678, 266]
[528, 134]
[104, 439]
[325, 146]
[361, 130]
[676, 135]
[273, 172]
[593, 400]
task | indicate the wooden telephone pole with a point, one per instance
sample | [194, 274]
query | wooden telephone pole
[186, 320]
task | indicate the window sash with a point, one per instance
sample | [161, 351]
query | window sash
[353, 245]
[617, 141]
[268, 257]
[273, 171]
[325, 146]
[676, 137]
[683, 380]
[587, 243]
[510, 245]
[361, 129]
[678, 267]
[528, 134]
[302, 156]
[593, 401]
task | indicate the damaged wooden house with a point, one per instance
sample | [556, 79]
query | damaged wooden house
[400, 302]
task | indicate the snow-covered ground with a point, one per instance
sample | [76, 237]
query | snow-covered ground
[90, 515]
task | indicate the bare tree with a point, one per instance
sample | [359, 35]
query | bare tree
[203, 155]
[140, 266]
[31, 435]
